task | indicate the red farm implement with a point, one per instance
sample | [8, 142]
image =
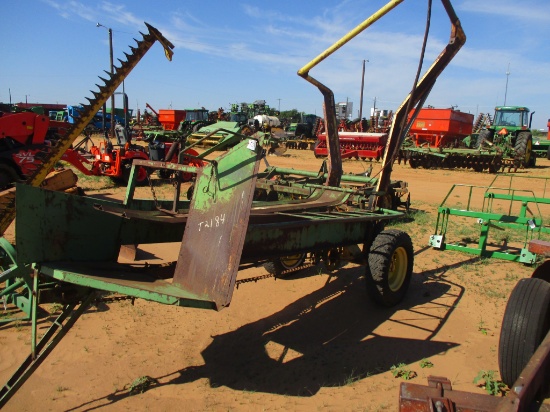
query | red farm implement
[358, 145]
[441, 127]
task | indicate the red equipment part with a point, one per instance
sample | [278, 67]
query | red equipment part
[150, 108]
[355, 144]
[25, 128]
[189, 160]
[22, 136]
[117, 162]
[170, 119]
[441, 127]
[77, 160]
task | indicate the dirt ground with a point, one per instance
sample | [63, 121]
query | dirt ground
[312, 341]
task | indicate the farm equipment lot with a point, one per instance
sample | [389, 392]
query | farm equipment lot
[312, 341]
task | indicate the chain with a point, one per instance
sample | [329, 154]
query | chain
[150, 181]
[110, 299]
[206, 190]
[253, 279]
[272, 275]
[296, 269]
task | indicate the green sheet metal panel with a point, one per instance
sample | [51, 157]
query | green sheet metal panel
[56, 226]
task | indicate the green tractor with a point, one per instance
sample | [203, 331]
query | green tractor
[195, 119]
[510, 131]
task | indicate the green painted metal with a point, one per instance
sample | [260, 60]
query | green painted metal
[312, 230]
[86, 233]
[538, 184]
[522, 214]
[541, 147]
[130, 280]
[214, 134]
[17, 282]
[40, 349]
[346, 178]
[513, 118]
[84, 250]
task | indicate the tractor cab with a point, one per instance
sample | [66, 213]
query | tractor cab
[512, 118]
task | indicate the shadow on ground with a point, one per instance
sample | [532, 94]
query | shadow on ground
[325, 339]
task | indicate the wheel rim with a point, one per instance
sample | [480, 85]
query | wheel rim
[528, 149]
[398, 269]
[142, 175]
[292, 261]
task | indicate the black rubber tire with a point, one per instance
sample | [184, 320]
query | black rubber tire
[141, 178]
[485, 135]
[548, 153]
[8, 176]
[532, 160]
[524, 148]
[525, 324]
[190, 192]
[164, 174]
[390, 265]
[5, 180]
[279, 266]
[389, 201]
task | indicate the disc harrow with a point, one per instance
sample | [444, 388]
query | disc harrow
[479, 161]
[301, 144]
[48, 157]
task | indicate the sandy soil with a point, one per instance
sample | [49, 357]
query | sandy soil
[313, 341]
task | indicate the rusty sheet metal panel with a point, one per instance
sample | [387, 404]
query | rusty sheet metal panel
[216, 227]
[540, 247]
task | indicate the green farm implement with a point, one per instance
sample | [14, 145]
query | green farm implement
[236, 216]
[504, 143]
[541, 145]
[509, 213]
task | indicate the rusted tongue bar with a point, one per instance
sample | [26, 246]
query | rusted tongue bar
[214, 236]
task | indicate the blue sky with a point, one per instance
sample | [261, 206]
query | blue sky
[232, 52]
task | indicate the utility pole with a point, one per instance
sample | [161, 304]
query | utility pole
[362, 87]
[506, 90]
[112, 73]
[279, 106]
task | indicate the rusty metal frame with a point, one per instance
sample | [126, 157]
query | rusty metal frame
[439, 394]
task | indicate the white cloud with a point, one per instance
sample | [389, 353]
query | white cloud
[516, 10]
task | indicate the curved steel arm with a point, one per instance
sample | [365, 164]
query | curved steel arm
[329, 107]
[398, 129]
